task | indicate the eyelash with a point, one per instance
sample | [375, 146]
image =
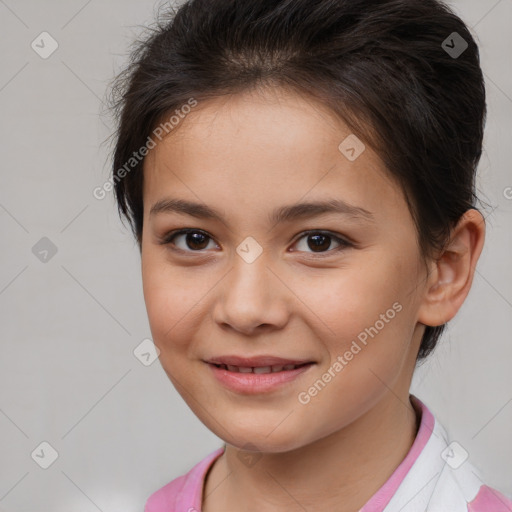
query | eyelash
[343, 243]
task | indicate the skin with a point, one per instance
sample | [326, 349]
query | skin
[245, 155]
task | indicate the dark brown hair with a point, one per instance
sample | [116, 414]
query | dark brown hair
[388, 68]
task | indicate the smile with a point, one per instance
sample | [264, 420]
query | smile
[260, 369]
[252, 377]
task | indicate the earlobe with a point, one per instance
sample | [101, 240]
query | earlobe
[452, 273]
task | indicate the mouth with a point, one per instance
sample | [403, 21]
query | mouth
[260, 369]
[258, 374]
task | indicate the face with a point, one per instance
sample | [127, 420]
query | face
[326, 299]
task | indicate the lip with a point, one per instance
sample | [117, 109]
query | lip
[256, 383]
[257, 361]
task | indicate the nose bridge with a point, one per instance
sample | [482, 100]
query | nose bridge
[251, 295]
[250, 279]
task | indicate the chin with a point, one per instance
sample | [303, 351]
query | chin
[261, 436]
[263, 444]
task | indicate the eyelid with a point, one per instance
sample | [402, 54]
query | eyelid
[167, 238]
[344, 242]
[332, 234]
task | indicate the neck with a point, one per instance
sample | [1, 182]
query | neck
[341, 471]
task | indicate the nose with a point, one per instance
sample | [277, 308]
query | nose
[252, 298]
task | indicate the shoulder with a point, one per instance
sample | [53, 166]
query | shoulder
[185, 492]
[437, 476]
[464, 489]
[459, 484]
[489, 499]
[164, 499]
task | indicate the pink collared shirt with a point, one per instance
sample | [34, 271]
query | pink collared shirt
[435, 476]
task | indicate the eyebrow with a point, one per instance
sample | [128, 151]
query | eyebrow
[279, 215]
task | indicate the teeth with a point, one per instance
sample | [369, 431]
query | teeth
[258, 369]
[262, 369]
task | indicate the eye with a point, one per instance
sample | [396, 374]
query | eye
[196, 240]
[320, 242]
[192, 240]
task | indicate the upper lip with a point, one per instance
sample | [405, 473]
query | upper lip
[254, 362]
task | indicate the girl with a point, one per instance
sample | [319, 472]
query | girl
[299, 176]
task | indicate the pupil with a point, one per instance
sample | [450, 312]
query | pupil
[196, 240]
[319, 242]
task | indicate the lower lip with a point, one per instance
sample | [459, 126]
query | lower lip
[253, 383]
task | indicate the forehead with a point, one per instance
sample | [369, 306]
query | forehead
[263, 148]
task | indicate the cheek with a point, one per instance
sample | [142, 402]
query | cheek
[367, 314]
[167, 301]
[176, 299]
[351, 299]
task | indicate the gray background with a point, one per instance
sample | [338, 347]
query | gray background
[69, 325]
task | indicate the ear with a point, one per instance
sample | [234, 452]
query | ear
[452, 272]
